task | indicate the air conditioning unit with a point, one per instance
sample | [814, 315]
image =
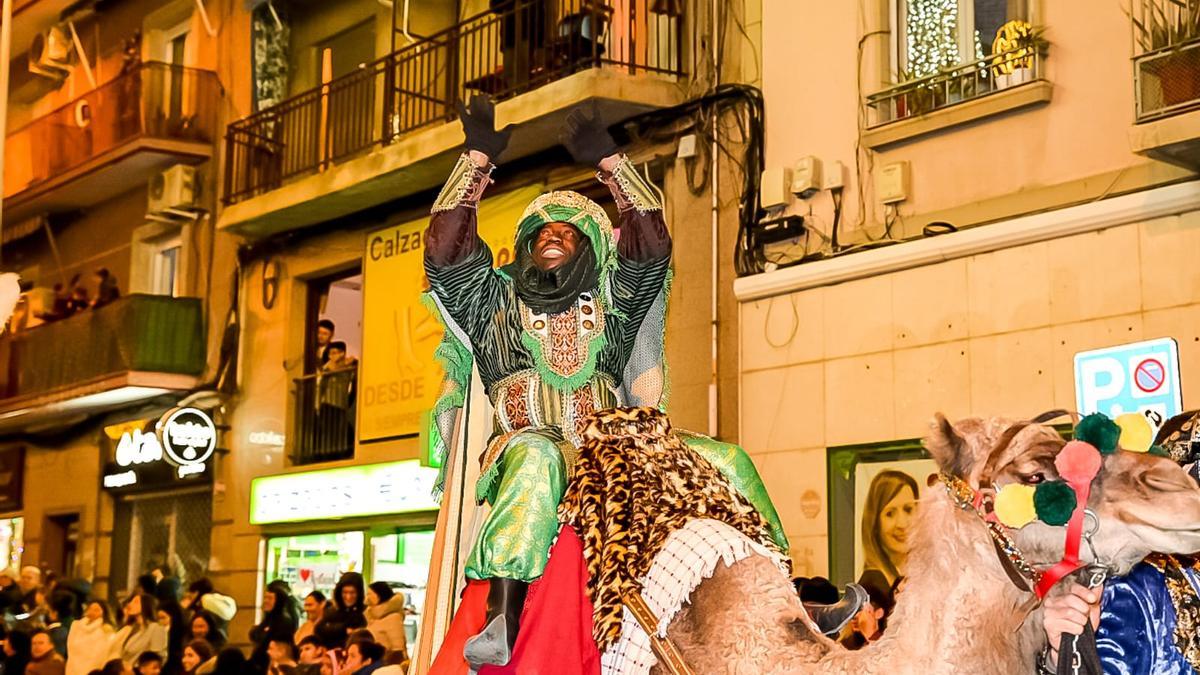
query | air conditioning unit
[176, 189]
[50, 53]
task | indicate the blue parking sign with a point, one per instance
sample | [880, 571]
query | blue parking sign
[1138, 377]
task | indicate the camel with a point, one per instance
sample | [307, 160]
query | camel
[959, 611]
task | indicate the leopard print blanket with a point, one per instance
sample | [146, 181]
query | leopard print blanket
[634, 483]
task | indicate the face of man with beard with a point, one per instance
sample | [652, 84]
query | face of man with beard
[555, 245]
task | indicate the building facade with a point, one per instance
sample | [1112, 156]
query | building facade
[114, 114]
[345, 129]
[1013, 187]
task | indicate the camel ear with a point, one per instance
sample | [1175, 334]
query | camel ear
[948, 447]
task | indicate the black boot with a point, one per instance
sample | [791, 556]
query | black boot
[494, 644]
[830, 619]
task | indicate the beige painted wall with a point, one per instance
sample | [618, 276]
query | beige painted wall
[993, 334]
[272, 344]
[46, 471]
[810, 52]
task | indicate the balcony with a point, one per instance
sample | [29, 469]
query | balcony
[325, 416]
[110, 140]
[385, 131]
[992, 85]
[135, 348]
[1166, 80]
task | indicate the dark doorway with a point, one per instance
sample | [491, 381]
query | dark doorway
[60, 541]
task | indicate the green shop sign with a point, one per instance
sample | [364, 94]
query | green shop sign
[350, 492]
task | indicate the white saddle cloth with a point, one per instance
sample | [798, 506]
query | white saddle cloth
[690, 555]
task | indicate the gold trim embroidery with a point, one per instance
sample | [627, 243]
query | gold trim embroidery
[630, 188]
[464, 186]
[566, 337]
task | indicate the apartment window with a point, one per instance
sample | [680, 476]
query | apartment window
[165, 273]
[931, 35]
[944, 52]
[327, 393]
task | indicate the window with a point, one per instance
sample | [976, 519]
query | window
[326, 395]
[930, 35]
[165, 267]
[315, 562]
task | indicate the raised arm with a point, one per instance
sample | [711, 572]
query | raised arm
[458, 263]
[453, 236]
[644, 236]
[453, 229]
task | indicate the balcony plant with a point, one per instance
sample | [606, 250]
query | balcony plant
[1166, 34]
[1015, 50]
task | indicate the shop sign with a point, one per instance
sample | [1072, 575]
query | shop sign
[149, 455]
[349, 492]
[1137, 377]
[400, 379]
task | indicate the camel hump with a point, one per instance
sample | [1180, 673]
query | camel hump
[625, 423]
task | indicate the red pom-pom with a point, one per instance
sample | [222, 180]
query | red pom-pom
[1078, 462]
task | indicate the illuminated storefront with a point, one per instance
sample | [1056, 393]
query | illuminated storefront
[12, 492]
[159, 472]
[375, 519]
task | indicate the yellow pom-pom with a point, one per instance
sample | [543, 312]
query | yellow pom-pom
[1014, 505]
[1137, 433]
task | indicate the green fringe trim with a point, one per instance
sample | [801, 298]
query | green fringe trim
[567, 384]
[486, 481]
[457, 362]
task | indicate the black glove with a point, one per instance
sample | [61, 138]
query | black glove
[586, 137]
[479, 125]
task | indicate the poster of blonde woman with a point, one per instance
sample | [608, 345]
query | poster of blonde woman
[875, 494]
[887, 496]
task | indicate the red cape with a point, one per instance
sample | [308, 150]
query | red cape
[556, 625]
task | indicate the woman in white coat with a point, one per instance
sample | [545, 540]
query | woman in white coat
[89, 640]
[385, 617]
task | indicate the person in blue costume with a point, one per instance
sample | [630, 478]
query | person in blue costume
[1148, 621]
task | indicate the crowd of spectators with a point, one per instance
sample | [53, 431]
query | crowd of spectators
[56, 627]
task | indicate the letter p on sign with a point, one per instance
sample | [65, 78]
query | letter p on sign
[1137, 377]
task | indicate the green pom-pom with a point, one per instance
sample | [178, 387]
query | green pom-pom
[1055, 502]
[1158, 450]
[1100, 431]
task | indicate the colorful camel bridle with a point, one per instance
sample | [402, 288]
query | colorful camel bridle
[1057, 503]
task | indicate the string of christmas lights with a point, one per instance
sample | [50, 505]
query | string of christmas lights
[932, 31]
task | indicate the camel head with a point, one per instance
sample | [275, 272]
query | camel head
[1145, 503]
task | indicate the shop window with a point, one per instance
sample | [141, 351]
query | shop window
[171, 532]
[402, 560]
[315, 562]
[12, 541]
[327, 393]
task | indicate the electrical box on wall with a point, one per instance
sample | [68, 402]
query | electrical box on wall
[806, 177]
[835, 176]
[774, 187]
[891, 182]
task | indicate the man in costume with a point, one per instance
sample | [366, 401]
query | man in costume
[573, 326]
[1148, 621]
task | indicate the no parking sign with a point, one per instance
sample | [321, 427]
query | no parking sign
[1137, 377]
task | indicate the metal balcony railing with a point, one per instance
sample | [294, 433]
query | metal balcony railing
[153, 100]
[951, 86]
[325, 414]
[148, 333]
[503, 54]
[1166, 65]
